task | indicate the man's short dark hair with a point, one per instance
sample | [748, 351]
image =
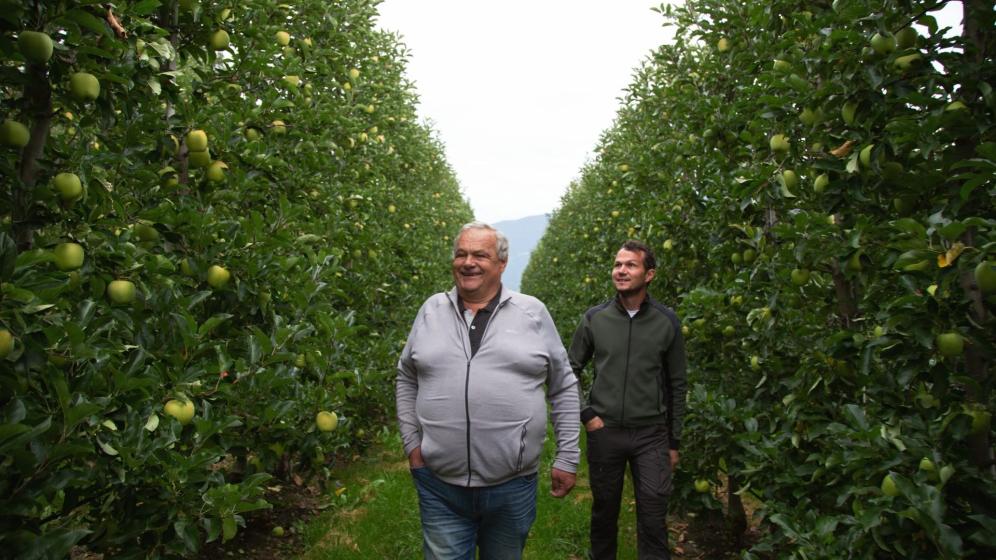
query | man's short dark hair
[649, 261]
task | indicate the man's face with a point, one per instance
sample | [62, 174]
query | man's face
[629, 274]
[476, 268]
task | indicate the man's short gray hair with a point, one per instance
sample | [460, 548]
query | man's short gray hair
[500, 240]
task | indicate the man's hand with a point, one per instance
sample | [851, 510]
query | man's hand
[561, 482]
[674, 459]
[594, 424]
[415, 458]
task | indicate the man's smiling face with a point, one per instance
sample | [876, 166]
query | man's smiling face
[476, 268]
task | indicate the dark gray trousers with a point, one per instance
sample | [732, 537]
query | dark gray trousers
[646, 451]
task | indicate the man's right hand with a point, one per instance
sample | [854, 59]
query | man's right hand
[415, 458]
[594, 424]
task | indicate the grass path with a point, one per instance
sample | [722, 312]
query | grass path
[375, 515]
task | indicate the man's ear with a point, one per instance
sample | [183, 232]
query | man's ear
[650, 274]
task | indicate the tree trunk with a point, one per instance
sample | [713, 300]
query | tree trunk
[38, 94]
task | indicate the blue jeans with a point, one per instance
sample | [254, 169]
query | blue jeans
[456, 520]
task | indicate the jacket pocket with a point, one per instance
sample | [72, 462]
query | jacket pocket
[500, 449]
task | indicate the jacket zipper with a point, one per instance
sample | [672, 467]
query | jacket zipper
[629, 343]
[466, 383]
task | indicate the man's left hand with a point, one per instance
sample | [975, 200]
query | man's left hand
[561, 483]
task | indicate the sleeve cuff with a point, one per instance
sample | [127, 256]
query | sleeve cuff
[587, 414]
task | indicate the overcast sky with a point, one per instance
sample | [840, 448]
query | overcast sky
[520, 91]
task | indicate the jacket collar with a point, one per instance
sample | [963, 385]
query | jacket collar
[617, 300]
[504, 294]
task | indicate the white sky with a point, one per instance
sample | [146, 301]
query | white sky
[520, 91]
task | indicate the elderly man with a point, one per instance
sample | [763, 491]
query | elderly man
[473, 380]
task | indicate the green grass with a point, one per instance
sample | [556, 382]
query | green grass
[376, 515]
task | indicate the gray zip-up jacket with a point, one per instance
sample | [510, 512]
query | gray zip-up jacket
[481, 419]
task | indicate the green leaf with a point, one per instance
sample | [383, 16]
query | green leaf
[228, 527]
[85, 19]
[213, 322]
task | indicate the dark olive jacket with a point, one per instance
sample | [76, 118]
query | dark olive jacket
[639, 377]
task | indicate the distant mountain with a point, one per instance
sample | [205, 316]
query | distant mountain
[523, 235]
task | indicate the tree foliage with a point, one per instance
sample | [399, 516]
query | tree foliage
[325, 200]
[820, 200]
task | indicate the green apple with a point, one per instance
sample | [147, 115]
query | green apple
[790, 179]
[252, 133]
[809, 117]
[723, 45]
[35, 46]
[729, 331]
[146, 233]
[197, 140]
[668, 245]
[906, 62]
[889, 486]
[326, 421]
[848, 111]
[199, 160]
[218, 276]
[219, 40]
[183, 410]
[985, 277]
[950, 344]
[779, 143]
[956, 106]
[6, 343]
[278, 127]
[782, 66]
[354, 74]
[883, 44]
[865, 157]
[906, 37]
[749, 255]
[702, 485]
[121, 292]
[292, 82]
[15, 134]
[736, 258]
[927, 465]
[982, 419]
[854, 262]
[216, 171]
[283, 38]
[84, 86]
[69, 186]
[821, 182]
[68, 256]
[755, 363]
[277, 531]
[800, 276]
